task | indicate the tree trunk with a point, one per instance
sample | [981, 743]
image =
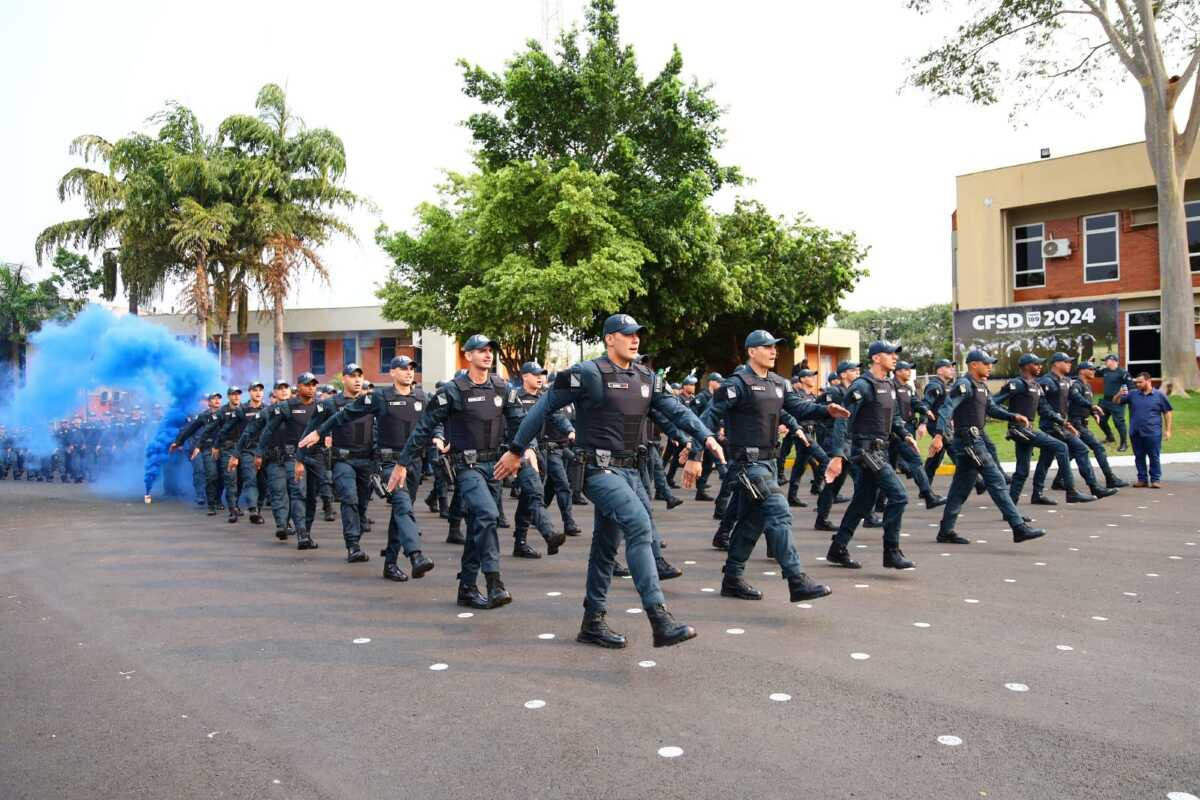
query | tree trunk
[226, 356]
[277, 313]
[1178, 331]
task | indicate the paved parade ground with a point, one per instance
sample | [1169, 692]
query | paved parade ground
[154, 652]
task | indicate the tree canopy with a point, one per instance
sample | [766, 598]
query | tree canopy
[926, 333]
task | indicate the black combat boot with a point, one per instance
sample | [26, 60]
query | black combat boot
[839, 556]
[255, 516]
[431, 502]
[469, 596]
[1099, 491]
[327, 509]
[893, 558]
[1076, 497]
[281, 534]
[394, 573]
[673, 502]
[721, 537]
[1111, 481]
[803, 587]
[233, 515]
[667, 631]
[933, 500]
[579, 500]
[1057, 484]
[736, 586]
[619, 570]
[304, 541]
[1023, 533]
[823, 524]
[666, 571]
[595, 630]
[1040, 499]
[420, 564]
[497, 595]
[522, 549]
[355, 555]
[950, 537]
[554, 540]
[572, 530]
[872, 521]
[703, 496]
[793, 497]
[502, 522]
[455, 534]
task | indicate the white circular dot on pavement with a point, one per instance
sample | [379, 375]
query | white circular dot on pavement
[803, 605]
[708, 589]
[647, 664]
[933, 524]
[982, 508]
[439, 667]
[1073, 549]
[1039, 563]
[465, 615]
[1190, 544]
[780, 697]
[862, 585]
[1142, 508]
[860, 547]
[670, 752]
[982, 541]
[1066, 648]
[689, 563]
[546, 636]
[920, 624]
[860, 656]
[949, 741]
[1052, 511]
[1129, 594]
[944, 555]
[1016, 687]
[1127, 515]
[769, 572]
[1175, 558]
[633, 611]
[1100, 619]
[1181, 796]
[971, 600]
[1111, 524]
[362, 640]
[276, 781]
[553, 594]
[905, 534]
[1151, 574]
[735, 631]
[820, 558]
[1094, 536]
[1010, 580]
[532, 704]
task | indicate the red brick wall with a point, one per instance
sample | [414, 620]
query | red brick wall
[1137, 253]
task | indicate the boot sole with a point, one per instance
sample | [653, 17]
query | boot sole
[1019, 539]
[417, 573]
[584, 638]
[499, 603]
[796, 598]
[738, 596]
[676, 640]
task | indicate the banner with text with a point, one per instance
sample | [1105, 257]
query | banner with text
[1086, 331]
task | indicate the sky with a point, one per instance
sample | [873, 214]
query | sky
[814, 111]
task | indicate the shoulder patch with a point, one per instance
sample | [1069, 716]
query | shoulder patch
[276, 410]
[367, 399]
[512, 395]
[856, 395]
[731, 392]
[959, 389]
[1014, 385]
[442, 399]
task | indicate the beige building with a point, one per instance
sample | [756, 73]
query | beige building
[1076, 228]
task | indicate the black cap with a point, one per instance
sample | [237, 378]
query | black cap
[676, 386]
[478, 342]
[282, 383]
[880, 346]
[211, 395]
[846, 365]
[622, 323]
[306, 378]
[532, 368]
[716, 376]
[979, 355]
[761, 338]
[1112, 357]
[352, 368]
[1086, 365]
[1057, 357]
[690, 380]
[256, 384]
[903, 365]
[401, 362]
[326, 388]
[1027, 359]
[803, 373]
[942, 362]
[233, 390]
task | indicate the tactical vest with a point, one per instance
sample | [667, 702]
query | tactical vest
[401, 412]
[229, 414]
[1025, 402]
[616, 424]
[479, 424]
[1063, 399]
[550, 432]
[876, 408]
[754, 421]
[937, 389]
[1084, 410]
[295, 418]
[972, 411]
[904, 399]
[356, 435]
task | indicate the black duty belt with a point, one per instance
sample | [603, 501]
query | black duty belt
[753, 453]
[228, 444]
[281, 452]
[345, 453]
[473, 457]
[607, 458]
[871, 443]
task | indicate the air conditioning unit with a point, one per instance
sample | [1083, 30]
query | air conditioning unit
[1056, 248]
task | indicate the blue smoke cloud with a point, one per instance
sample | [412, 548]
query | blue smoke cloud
[99, 349]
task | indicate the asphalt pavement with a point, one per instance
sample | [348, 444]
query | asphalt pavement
[155, 652]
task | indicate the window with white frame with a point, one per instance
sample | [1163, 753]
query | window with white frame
[1100, 242]
[1192, 211]
[1029, 270]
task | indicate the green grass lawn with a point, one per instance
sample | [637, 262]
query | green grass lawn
[1185, 431]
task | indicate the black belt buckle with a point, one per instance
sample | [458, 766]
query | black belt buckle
[470, 457]
[603, 459]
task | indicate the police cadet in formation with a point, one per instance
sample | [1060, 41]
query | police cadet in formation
[476, 410]
[204, 428]
[324, 463]
[834, 394]
[225, 447]
[530, 489]
[352, 452]
[864, 438]
[750, 403]
[277, 448]
[687, 397]
[612, 395]
[438, 499]
[1023, 395]
[915, 415]
[962, 419]
[698, 405]
[395, 410]
[1115, 378]
[809, 452]
[935, 394]
[655, 471]
[1082, 408]
[243, 429]
[1056, 400]
[556, 439]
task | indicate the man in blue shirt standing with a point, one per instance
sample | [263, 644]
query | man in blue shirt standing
[1148, 407]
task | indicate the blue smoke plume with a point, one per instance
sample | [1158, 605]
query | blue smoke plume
[101, 350]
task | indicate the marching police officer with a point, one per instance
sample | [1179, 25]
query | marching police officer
[530, 508]
[914, 414]
[476, 410]
[1056, 400]
[1082, 407]
[244, 429]
[935, 395]
[751, 403]
[204, 428]
[1023, 395]
[834, 394]
[396, 409]
[225, 443]
[698, 405]
[961, 419]
[873, 420]
[276, 448]
[1115, 378]
[612, 395]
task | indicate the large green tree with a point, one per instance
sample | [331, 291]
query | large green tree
[1062, 50]
[927, 333]
[26, 303]
[523, 253]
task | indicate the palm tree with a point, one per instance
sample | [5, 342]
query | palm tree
[23, 306]
[295, 173]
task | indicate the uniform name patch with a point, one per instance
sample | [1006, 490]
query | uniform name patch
[476, 399]
[618, 385]
[758, 388]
